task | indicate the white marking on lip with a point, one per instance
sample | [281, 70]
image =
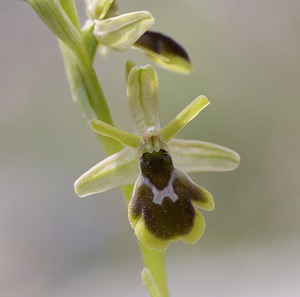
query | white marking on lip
[159, 195]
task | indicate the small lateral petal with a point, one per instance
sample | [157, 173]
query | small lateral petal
[184, 117]
[105, 129]
[115, 171]
[200, 156]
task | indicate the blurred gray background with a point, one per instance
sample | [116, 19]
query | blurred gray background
[53, 244]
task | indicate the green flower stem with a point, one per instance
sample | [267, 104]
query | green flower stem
[155, 262]
[97, 99]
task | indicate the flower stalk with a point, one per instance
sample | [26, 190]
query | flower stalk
[162, 193]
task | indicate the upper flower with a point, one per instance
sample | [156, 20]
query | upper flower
[131, 30]
[165, 201]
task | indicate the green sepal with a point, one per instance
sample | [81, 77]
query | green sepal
[201, 156]
[142, 86]
[115, 171]
[122, 31]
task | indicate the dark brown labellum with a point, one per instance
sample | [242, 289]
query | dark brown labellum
[163, 196]
[162, 45]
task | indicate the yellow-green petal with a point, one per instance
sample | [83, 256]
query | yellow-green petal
[183, 118]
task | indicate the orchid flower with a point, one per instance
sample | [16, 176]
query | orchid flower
[165, 201]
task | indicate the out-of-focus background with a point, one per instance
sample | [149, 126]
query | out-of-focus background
[247, 61]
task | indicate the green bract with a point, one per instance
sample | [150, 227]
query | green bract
[165, 201]
[53, 14]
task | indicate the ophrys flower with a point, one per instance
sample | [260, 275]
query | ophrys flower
[165, 201]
